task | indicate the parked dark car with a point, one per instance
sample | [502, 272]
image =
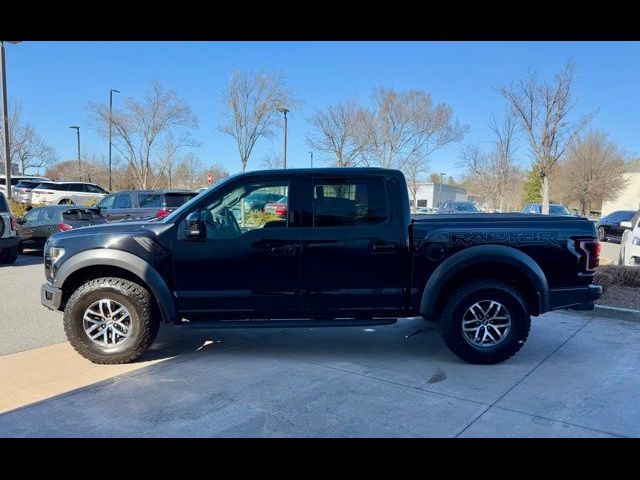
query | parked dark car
[38, 224]
[459, 207]
[347, 254]
[9, 241]
[609, 226]
[143, 204]
[554, 209]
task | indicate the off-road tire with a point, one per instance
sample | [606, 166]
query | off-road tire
[139, 303]
[450, 320]
[9, 255]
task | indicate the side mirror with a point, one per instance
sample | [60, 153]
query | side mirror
[196, 227]
[626, 224]
[20, 221]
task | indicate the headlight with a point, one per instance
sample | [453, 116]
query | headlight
[56, 254]
[636, 240]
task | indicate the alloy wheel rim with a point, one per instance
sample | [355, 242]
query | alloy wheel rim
[107, 323]
[486, 323]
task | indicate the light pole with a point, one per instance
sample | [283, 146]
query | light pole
[285, 111]
[311, 153]
[440, 194]
[5, 121]
[79, 163]
[110, 122]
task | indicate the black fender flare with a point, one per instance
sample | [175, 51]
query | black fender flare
[126, 261]
[492, 254]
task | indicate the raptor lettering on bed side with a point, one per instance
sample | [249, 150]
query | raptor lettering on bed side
[467, 239]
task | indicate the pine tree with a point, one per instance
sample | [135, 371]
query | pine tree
[532, 188]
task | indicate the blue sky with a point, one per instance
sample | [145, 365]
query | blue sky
[55, 80]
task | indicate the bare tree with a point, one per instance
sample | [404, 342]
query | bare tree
[272, 161]
[190, 172]
[593, 171]
[251, 101]
[543, 110]
[142, 125]
[339, 132]
[415, 173]
[490, 176]
[27, 148]
[168, 154]
[407, 125]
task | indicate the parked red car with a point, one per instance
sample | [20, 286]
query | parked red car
[278, 208]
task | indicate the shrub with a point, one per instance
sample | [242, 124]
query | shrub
[620, 275]
[92, 202]
[18, 209]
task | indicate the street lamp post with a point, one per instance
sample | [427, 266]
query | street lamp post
[440, 194]
[5, 121]
[311, 153]
[110, 122]
[79, 162]
[285, 111]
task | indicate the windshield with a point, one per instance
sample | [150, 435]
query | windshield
[558, 210]
[466, 207]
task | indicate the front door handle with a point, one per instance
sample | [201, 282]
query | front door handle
[384, 247]
[283, 251]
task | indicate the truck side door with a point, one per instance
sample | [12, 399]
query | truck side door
[354, 254]
[248, 264]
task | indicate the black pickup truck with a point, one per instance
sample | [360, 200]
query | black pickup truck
[344, 251]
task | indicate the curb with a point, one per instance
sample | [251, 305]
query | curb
[614, 312]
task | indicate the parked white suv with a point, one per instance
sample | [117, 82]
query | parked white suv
[16, 179]
[9, 241]
[67, 193]
[630, 243]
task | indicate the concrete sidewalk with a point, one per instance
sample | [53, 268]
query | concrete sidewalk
[577, 376]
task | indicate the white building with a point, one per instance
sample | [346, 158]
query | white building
[629, 197]
[433, 195]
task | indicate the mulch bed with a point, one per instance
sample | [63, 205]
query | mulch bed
[618, 296]
[621, 286]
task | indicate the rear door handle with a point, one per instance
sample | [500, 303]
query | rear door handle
[283, 251]
[321, 245]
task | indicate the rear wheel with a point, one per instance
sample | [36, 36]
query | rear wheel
[65, 201]
[110, 320]
[485, 321]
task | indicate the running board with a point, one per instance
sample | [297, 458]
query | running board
[287, 323]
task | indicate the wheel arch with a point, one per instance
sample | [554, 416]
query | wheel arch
[482, 262]
[98, 263]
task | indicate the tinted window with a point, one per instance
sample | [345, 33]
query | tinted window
[32, 216]
[107, 202]
[3, 204]
[177, 200]
[76, 187]
[51, 215]
[148, 200]
[93, 189]
[349, 202]
[27, 184]
[123, 201]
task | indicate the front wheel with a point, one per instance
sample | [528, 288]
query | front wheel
[110, 320]
[485, 321]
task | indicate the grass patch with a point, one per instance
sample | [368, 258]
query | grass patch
[617, 275]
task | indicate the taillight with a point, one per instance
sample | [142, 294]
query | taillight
[14, 224]
[589, 250]
[63, 227]
[281, 210]
[162, 213]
